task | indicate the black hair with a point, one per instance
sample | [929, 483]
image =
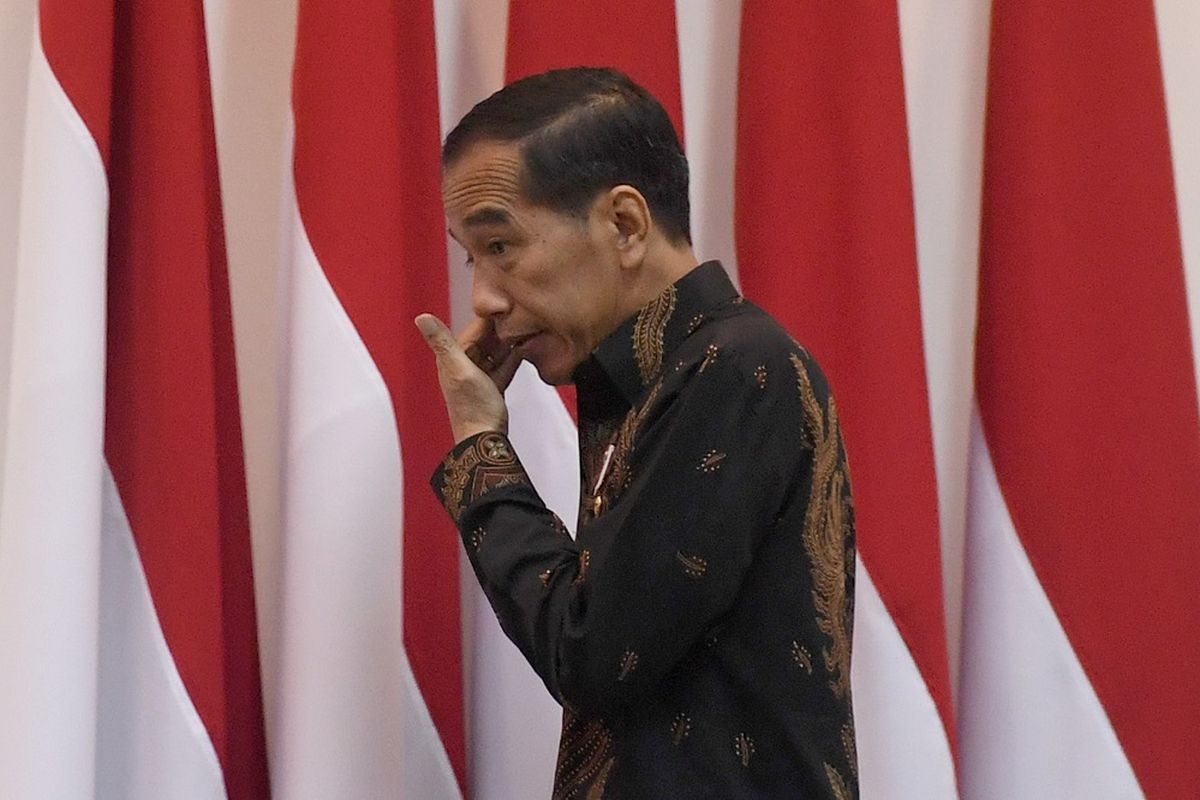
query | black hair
[581, 131]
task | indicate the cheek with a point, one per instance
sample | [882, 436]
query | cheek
[567, 287]
[589, 316]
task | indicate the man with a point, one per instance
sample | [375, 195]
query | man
[697, 629]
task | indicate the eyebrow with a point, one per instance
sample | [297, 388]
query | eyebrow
[488, 216]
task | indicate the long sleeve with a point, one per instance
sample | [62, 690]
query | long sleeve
[697, 476]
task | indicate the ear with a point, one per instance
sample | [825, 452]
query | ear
[630, 219]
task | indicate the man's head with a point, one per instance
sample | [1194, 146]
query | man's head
[569, 191]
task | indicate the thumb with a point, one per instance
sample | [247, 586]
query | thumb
[439, 338]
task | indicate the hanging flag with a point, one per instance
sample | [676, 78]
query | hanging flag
[507, 695]
[368, 700]
[1080, 632]
[635, 36]
[826, 244]
[126, 592]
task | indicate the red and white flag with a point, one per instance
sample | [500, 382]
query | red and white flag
[369, 683]
[826, 243]
[130, 659]
[1081, 651]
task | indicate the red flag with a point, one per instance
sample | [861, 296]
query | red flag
[826, 244]
[1086, 391]
[635, 36]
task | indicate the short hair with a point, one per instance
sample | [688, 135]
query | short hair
[581, 131]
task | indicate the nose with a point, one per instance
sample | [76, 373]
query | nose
[487, 299]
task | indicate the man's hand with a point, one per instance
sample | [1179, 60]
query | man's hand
[474, 370]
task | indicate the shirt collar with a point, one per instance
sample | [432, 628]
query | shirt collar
[632, 357]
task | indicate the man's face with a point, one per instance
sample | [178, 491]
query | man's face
[549, 282]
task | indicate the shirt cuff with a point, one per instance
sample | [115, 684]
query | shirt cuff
[476, 466]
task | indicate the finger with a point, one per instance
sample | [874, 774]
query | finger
[436, 334]
[506, 370]
[480, 332]
[482, 345]
[487, 360]
[477, 355]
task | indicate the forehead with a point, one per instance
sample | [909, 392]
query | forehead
[483, 183]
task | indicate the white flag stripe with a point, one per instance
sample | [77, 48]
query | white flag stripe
[708, 53]
[1030, 718]
[903, 752]
[347, 718]
[545, 436]
[944, 54]
[50, 504]
[1178, 23]
[16, 42]
[154, 745]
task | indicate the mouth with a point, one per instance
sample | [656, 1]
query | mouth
[517, 342]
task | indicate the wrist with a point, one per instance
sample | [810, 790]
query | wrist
[469, 430]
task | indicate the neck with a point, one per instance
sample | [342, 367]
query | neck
[664, 265]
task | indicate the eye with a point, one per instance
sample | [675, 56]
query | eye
[497, 247]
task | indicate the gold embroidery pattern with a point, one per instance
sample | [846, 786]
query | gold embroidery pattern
[456, 476]
[711, 462]
[477, 537]
[489, 463]
[629, 661]
[495, 450]
[585, 758]
[680, 728]
[826, 531]
[693, 566]
[695, 323]
[760, 375]
[841, 790]
[801, 349]
[802, 657]
[597, 790]
[619, 476]
[850, 746]
[544, 576]
[743, 746]
[710, 355]
[585, 558]
[648, 333]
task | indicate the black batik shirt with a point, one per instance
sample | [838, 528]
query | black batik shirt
[697, 630]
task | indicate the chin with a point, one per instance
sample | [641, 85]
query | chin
[555, 372]
[553, 377]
